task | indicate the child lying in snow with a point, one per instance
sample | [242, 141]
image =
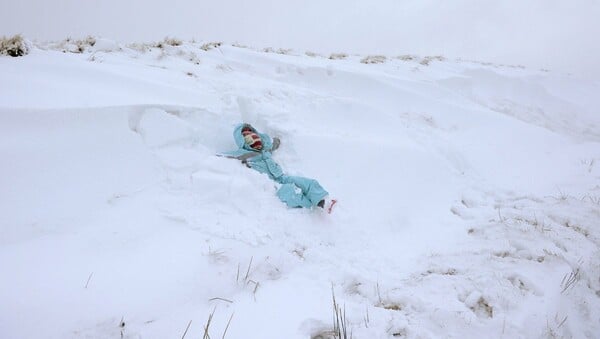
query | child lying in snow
[254, 150]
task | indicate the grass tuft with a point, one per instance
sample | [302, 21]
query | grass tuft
[373, 59]
[15, 46]
[210, 45]
[340, 323]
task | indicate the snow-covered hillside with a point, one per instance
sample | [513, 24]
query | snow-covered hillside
[469, 196]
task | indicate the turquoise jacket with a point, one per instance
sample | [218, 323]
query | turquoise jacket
[257, 160]
[294, 191]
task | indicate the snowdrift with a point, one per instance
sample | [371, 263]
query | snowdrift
[469, 196]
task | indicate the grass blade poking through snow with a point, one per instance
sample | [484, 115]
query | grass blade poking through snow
[340, 324]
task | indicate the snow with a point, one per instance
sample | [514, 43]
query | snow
[468, 196]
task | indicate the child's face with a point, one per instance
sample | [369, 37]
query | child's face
[251, 138]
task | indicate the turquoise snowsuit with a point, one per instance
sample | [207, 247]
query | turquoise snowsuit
[294, 191]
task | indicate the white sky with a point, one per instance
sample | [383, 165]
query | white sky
[556, 34]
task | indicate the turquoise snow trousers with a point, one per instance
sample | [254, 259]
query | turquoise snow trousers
[299, 191]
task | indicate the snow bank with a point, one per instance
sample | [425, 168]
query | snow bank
[468, 193]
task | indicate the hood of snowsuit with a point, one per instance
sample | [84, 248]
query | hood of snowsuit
[241, 143]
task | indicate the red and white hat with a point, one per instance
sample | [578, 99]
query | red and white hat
[252, 139]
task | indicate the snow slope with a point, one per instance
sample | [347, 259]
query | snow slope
[469, 196]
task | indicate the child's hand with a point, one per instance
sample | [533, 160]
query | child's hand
[276, 143]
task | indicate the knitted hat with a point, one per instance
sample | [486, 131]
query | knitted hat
[251, 138]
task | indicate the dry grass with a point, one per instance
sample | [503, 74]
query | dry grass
[570, 279]
[374, 59]
[169, 42]
[15, 46]
[340, 323]
[211, 45]
[338, 56]
[312, 54]
[206, 334]
[207, 326]
[284, 51]
[83, 44]
[407, 57]
[428, 59]
[186, 329]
